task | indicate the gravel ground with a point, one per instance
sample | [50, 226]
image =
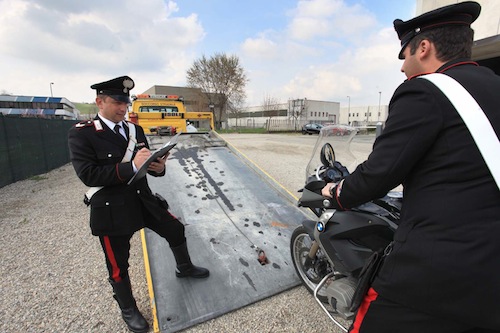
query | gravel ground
[53, 275]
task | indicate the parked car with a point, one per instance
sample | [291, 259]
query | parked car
[311, 129]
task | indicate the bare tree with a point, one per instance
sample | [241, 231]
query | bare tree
[271, 105]
[270, 108]
[222, 79]
[235, 106]
[297, 108]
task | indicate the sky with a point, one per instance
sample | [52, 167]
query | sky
[316, 49]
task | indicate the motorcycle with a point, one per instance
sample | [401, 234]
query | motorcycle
[329, 252]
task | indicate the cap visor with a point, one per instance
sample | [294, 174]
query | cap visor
[120, 98]
[403, 47]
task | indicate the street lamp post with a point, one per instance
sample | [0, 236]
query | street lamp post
[51, 83]
[379, 97]
[348, 109]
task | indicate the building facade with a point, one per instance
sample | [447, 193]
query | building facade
[38, 106]
[286, 116]
[367, 115]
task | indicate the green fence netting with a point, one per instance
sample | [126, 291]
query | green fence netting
[31, 146]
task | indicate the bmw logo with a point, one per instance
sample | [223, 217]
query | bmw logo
[320, 226]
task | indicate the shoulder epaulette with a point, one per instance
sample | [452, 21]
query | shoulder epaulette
[85, 123]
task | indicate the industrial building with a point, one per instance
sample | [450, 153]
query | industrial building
[38, 106]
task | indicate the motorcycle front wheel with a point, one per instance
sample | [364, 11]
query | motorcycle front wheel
[309, 272]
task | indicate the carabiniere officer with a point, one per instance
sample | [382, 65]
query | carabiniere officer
[106, 153]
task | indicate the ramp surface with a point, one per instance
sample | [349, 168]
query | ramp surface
[229, 211]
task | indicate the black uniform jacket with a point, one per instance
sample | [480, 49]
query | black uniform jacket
[446, 256]
[118, 208]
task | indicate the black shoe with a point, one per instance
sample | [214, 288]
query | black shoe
[130, 313]
[134, 320]
[193, 271]
[185, 267]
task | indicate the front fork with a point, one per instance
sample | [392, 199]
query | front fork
[311, 255]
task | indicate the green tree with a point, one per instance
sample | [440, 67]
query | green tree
[222, 79]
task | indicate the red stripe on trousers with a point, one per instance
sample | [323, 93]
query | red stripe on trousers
[115, 275]
[363, 309]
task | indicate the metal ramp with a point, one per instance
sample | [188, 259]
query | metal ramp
[231, 210]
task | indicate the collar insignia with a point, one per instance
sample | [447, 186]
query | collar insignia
[98, 126]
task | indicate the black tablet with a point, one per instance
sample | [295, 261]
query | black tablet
[158, 153]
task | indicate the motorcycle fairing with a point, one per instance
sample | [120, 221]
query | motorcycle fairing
[353, 236]
[310, 226]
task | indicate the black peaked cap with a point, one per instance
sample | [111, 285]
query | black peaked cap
[118, 88]
[463, 13]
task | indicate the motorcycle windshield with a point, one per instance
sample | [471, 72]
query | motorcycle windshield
[340, 138]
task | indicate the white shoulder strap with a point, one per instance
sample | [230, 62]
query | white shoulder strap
[473, 117]
[132, 141]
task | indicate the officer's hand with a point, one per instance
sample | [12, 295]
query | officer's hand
[326, 191]
[141, 157]
[159, 165]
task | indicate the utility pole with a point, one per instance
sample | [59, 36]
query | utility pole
[51, 83]
[348, 110]
[379, 98]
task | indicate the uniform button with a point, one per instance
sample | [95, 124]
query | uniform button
[109, 155]
[107, 203]
[138, 191]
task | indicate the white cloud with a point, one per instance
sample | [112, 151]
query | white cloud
[75, 44]
[328, 51]
[329, 18]
[261, 47]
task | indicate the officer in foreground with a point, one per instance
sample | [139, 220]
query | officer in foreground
[443, 274]
[106, 153]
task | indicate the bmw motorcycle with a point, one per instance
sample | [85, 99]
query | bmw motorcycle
[330, 251]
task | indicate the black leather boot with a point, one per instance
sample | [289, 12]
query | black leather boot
[185, 267]
[130, 313]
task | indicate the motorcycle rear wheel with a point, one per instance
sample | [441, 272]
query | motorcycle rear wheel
[300, 245]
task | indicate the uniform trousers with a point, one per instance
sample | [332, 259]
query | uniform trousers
[117, 247]
[378, 314]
